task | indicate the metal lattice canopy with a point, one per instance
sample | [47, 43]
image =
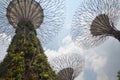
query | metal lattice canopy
[68, 66]
[65, 76]
[47, 16]
[94, 21]
[25, 10]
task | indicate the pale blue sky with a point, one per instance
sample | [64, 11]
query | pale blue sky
[71, 6]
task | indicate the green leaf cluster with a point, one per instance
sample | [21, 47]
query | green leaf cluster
[118, 75]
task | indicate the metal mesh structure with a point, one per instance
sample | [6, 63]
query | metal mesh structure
[94, 21]
[24, 10]
[47, 16]
[68, 66]
[66, 74]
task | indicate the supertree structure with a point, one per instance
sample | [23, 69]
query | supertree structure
[25, 19]
[47, 16]
[68, 66]
[95, 21]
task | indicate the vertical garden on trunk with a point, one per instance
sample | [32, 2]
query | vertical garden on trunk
[26, 59]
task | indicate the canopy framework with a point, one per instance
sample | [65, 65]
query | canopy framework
[24, 10]
[68, 66]
[95, 21]
[65, 76]
[47, 16]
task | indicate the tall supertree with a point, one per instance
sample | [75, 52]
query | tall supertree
[95, 21]
[24, 19]
[68, 66]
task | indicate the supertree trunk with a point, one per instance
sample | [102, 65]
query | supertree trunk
[116, 34]
[26, 59]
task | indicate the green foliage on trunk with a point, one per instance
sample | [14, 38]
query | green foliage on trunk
[118, 75]
[26, 59]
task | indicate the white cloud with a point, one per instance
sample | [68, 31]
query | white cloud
[4, 43]
[3, 52]
[94, 60]
[81, 77]
[101, 75]
[66, 48]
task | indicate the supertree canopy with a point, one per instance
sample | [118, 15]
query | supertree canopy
[68, 66]
[66, 74]
[46, 16]
[95, 21]
[25, 59]
[25, 10]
